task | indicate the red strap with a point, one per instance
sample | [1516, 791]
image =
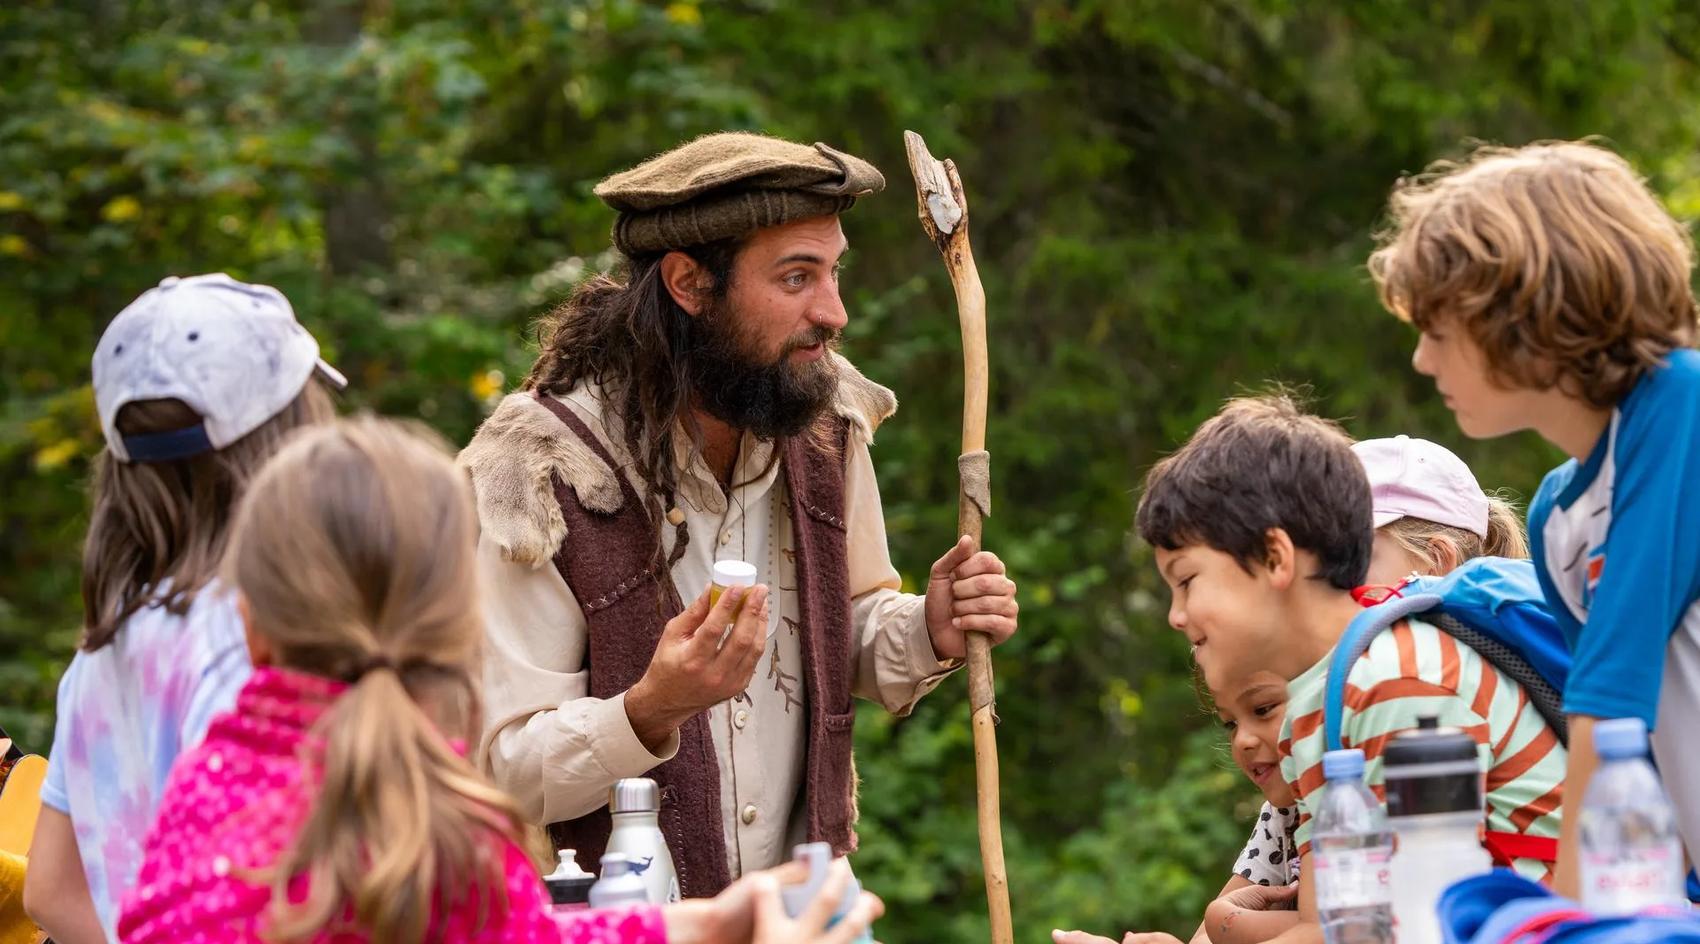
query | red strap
[1372, 593]
[1504, 847]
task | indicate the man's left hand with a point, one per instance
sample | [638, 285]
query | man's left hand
[968, 592]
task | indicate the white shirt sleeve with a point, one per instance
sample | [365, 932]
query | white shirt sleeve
[894, 660]
[546, 741]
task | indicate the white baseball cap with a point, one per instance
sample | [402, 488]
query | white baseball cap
[231, 351]
[1415, 478]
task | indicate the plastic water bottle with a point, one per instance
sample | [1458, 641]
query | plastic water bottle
[818, 857]
[620, 884]
[1352, 846]
[1631, 855]
[1434, 804]
[634, 805]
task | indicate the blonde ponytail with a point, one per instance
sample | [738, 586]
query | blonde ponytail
[354, 552]
[1505, 537]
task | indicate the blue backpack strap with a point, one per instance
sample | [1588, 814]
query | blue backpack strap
[1353, 643]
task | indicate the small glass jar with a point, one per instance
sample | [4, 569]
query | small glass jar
[729, 574]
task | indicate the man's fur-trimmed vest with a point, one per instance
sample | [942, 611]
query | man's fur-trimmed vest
[606, 555]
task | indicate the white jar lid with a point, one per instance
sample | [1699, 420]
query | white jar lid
[734, 573]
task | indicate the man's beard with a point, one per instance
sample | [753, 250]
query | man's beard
[772, 399]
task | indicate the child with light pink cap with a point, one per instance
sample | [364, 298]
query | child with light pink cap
[1430, 514]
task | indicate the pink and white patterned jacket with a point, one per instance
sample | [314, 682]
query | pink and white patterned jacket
[233, 805]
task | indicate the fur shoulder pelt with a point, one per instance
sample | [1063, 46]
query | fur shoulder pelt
[514, 454]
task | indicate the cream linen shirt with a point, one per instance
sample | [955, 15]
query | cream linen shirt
[557, 750]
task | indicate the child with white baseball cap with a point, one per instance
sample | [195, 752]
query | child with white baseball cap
[197, 383]
[1430, 514]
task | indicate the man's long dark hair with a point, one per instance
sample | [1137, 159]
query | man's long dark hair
[626, 334]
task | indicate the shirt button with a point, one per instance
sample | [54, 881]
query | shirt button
[725, 537]
[741, 718]
[215, 763]
[676, 517]
[221, 866]
[749, 813]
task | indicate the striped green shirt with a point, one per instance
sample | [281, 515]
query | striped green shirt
[1415, 670]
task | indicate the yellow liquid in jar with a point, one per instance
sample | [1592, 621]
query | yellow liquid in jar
[714, 593]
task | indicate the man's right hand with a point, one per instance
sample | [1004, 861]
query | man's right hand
[691, 670]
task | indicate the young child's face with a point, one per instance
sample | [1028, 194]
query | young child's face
[1390, 563]
[1252, 710]
[1223, 609]
[1447, 353]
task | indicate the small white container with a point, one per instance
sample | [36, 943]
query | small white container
[728, 574]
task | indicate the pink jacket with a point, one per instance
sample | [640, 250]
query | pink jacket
[235, 803]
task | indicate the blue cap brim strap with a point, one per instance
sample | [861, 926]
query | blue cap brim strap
[168, 446]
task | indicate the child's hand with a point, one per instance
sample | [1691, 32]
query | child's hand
[1145, 937]
[1264, 898]
[774, 926]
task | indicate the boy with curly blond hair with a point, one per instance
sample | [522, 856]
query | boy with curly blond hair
[1552, 292]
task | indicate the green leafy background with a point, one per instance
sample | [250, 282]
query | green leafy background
[1171, 199]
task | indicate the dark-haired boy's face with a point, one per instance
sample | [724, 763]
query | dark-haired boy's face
[1227, 612]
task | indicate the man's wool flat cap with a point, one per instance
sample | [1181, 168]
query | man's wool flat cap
[725, 185]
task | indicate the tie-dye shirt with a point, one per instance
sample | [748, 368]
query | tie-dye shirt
[126, 711]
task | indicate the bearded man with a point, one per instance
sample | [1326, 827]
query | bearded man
[691, 409]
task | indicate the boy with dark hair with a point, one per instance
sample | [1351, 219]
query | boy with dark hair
[1262, 528]
[1552, 292]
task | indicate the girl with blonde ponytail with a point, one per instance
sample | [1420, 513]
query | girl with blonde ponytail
[1430, 514]
[334, 802]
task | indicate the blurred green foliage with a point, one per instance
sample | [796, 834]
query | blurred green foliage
[1171, 202]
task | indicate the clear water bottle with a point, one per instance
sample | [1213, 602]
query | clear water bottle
[1353, 849]
[634, 805]
[818, 857]
[1631, 855]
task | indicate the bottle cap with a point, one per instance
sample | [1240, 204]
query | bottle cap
[1343, 765]
[569, 884]
[734, 573]
[567, 867]
[1620, 738]
[634, 795]
[1431, 769]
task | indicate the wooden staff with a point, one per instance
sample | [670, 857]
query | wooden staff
[944, 216]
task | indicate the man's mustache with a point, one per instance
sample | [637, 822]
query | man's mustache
[819, 334]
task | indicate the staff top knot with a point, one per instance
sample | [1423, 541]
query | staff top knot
[728, 184]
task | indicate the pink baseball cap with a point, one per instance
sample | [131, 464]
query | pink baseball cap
[1415, 478]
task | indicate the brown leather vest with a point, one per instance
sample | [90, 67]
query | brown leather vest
[608, 561]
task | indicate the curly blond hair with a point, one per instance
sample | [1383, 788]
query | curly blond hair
[1556, 259]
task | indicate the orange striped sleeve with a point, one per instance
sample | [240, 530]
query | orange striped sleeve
[1362, 699]
[1307, 724]
[1449, 667]
[1407, 643]
[1525, 815]
[1523, 761]
[1522, 701]
[1483, 702]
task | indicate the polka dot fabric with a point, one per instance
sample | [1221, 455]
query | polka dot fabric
[234, 804]
[1271, 857]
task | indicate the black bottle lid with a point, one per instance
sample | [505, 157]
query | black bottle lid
[1431, 769]
[570, 891]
